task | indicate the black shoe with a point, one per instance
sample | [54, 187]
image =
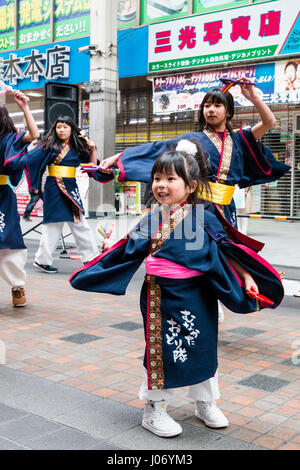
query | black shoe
[45, 267]
[28, 219]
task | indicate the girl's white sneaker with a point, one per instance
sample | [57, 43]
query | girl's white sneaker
[157, 420]
[210, 414]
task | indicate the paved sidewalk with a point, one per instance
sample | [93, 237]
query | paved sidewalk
[73, 366]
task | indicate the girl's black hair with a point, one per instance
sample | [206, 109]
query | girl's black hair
[6, 123]
[217, 96]
[51, 142]
[188, 167]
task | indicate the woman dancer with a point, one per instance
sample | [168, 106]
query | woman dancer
[59, 153]
[235, 158]
[13, 149]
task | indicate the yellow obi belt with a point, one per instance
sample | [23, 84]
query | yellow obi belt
[3, 179]
[220, 193]
[61, 171]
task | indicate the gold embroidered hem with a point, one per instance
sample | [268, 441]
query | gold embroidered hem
[154, 357]
[227, 152]
[62, 154]
[155, 362]
[3, 179]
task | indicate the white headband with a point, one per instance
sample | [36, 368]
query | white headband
[186, 146]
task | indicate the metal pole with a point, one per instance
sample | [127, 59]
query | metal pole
[103, 101]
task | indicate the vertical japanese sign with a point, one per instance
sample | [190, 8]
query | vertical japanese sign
[126, 13]
[72, 19]
[206, 5]
[255, 32]
[162, 9]
[34, 22]
[7, 25]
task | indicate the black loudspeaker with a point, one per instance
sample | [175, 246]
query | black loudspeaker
[60, 100]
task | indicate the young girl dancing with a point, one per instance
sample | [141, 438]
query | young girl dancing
[59, 153]
[190, 264]
[13, 148]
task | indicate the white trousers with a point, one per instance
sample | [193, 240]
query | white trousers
[82, 234]
[12, 267]
[204, 391]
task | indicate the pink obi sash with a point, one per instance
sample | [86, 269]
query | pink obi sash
[164, 268]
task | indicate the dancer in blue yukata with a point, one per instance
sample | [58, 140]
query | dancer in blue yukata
[13, 150]
[190, 263]
[59, 153]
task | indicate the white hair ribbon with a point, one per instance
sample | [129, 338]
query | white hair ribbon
[186, 146]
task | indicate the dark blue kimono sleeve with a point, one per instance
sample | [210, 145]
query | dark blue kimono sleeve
[225, 280]
[135, 163]
[260, 165]
[36, 165]
[15, 156]
[112, 271]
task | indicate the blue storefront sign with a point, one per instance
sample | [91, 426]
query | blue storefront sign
[60, 62]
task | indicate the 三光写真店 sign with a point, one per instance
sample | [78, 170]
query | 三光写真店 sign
[254, 32]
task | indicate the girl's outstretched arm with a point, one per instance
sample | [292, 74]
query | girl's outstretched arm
[268, 120]
[249, 283]
[108, 164]
[33, 132]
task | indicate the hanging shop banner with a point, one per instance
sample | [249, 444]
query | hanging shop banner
[31, 68]
[162, 9]
[71, 19]
[34, 22]
[287, 81]
[127, 13]
[185, 92]
[7, 25]
[255, 32]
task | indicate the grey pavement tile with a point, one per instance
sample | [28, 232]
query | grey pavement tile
[81, 338]
[6, 444]
[264, 382]
[103, 418]
[24, 430]
[291, 363]
[64, 439]
[127, 325]
[244, 330]
[44, 398]
[7, 413]
[192, 438]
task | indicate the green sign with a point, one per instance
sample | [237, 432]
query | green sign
[7, 25]
[152, 10]
[72, 19]
[34, 22]
[232, 56]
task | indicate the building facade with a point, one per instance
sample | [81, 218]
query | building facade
[180, 56]
[170, 52]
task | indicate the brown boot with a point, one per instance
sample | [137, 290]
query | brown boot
[18, 297]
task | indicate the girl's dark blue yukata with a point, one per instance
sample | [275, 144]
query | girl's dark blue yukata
[235, 158]
[186, 255]
[13, 155]
[62, 201]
